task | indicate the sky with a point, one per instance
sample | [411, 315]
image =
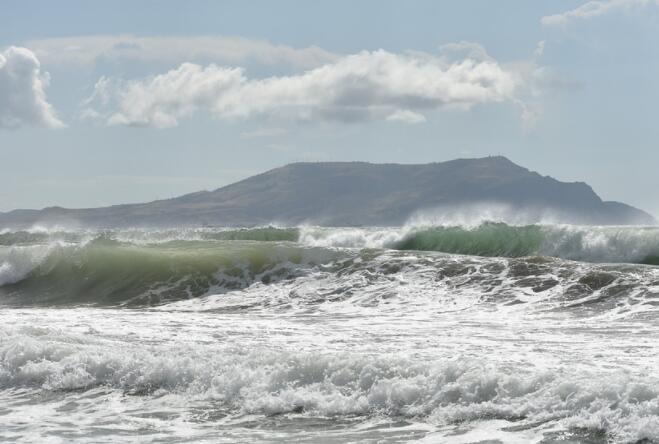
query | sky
[110, 102]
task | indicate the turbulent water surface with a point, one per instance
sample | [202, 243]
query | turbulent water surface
[490, 333]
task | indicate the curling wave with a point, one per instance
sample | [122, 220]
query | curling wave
[104, 271]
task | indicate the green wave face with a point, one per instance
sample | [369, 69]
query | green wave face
[267, 234]
[598, 244]
[110, 272]
[490, 239]
[651, 260]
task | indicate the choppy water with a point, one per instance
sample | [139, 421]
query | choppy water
[489, 333]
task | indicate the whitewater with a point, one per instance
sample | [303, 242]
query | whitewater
[436, 333]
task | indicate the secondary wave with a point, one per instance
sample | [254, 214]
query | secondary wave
[581, 243]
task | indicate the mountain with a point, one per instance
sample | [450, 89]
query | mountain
[356, 193]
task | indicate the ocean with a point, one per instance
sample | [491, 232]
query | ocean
[490, 333]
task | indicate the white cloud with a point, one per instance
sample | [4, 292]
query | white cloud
[593, 9]
[362, 86]
[22, 91]
[83, 51]
[406, 116]
[539, 49]
[534, 82]
[465, 50]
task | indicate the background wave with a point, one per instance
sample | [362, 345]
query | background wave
[581, 243]
[607, 244]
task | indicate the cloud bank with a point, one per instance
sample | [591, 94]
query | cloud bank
[593, 9]
[84, 51]
[22, 91]
[375, 85]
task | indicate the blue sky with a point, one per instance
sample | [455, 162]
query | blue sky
[113, 102]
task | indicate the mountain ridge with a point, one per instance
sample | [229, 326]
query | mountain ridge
[354, 193]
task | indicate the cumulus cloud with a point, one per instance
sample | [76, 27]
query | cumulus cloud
[22, 91]
[84, 51]
[362, 86]
[593, 9]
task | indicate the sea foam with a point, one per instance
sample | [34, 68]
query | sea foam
[274, 382]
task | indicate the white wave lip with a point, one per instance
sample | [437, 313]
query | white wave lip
[601, 244]
[351, 237]
[17, 262]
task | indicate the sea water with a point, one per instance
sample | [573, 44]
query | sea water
[489, 333]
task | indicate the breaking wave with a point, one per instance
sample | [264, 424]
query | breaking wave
[337, 385]
[581, 243]
[104, 271]
[149, 268]
[289, 277]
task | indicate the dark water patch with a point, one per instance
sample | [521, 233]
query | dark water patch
[576, 291]
[529, 267]
[454, 269]
[537, 284]
[596, 280]
[651, 260]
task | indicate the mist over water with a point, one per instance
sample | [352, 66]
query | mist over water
[434, 331]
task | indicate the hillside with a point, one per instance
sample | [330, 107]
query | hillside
[354, 193]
